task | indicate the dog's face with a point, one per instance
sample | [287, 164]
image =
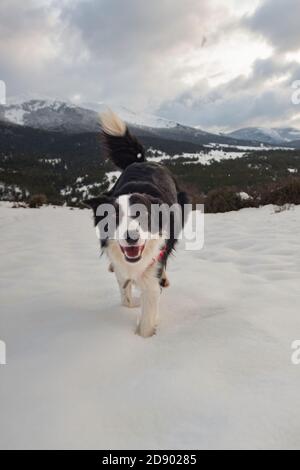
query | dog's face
[125, 225]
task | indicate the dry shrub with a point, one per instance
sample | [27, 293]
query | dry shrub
[37, 200]
[194, 195]
[224, 200]
[282, 193]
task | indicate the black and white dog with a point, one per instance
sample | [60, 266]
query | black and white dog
[138, 254]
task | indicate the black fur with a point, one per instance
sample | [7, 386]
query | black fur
[142, 179]
[123, 150]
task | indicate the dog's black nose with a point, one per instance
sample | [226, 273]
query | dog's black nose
[132, 237]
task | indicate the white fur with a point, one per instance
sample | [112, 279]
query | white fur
[128, 222]
[127, 299]
[112, 124]
[142, 274]
[123, 202]
[150, 304]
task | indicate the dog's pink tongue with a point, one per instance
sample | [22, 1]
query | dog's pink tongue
[132, 251]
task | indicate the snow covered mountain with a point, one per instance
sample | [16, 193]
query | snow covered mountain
[133, 118]
[274, 136]
[60, 116]
[50, 115]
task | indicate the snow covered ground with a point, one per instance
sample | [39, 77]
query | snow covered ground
[215, 154]
[217, 375]
[205, 158]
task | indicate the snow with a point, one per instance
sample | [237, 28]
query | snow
[144, 119]
[82, 190]
[269, 132]
[86, 189]
[217, 375]
[112, 177]
[19, 106]
[205, 158]
[17, 110]
[15, 114]
[66, 191]
[259, 148]
[217, 156]
[244, 196]
[33, 103]
[132, 117]
[216, 153]
[10, 190]
[51, 161]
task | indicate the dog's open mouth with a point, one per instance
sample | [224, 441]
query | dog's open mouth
[133, 253]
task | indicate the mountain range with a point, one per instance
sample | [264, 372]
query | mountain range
[61, 116]
[273, 136]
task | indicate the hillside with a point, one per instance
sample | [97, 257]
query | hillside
[37, 161]
[68, 167]
[273, 136]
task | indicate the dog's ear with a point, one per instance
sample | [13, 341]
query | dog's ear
[95, 202]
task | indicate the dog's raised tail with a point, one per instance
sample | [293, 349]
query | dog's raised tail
[119, 144]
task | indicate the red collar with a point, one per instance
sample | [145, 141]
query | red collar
[161, 254]
[159, 257]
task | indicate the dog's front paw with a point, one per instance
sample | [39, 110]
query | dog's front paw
[145, 330]
[164, 282]
[135, 303]
[131, 303]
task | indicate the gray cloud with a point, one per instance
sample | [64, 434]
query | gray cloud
[263, 98]
[27, 35]
[135, 44]
[122, 52]
[234, 111]
[135, 30]
[278, 22]
[137, 54]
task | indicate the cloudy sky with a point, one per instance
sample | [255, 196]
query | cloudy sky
[219, 64]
